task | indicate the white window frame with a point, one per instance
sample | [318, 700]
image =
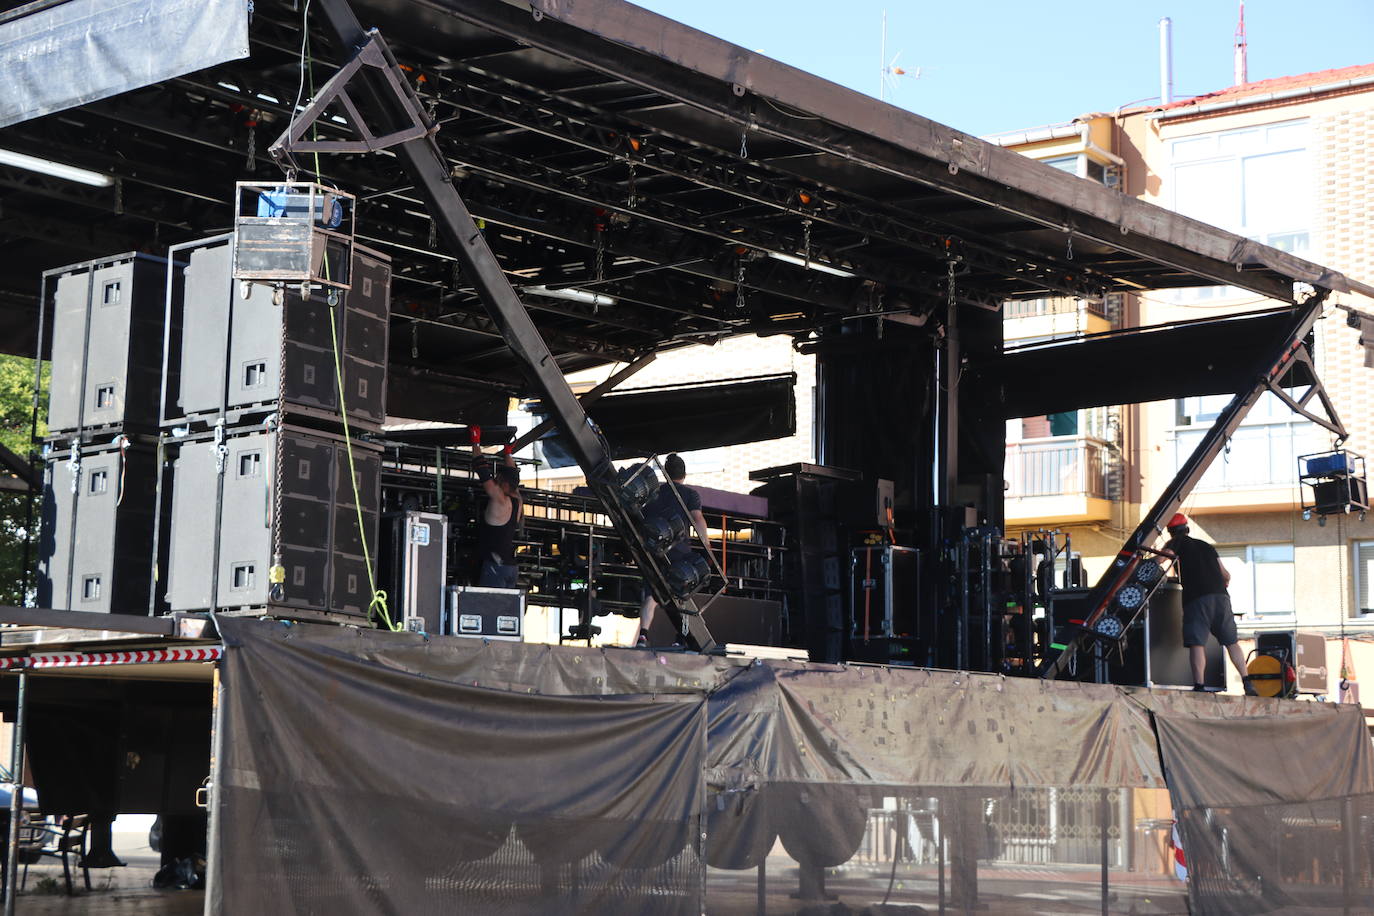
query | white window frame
[1245, 553]
[1358, 574]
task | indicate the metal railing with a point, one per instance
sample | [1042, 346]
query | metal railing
[1057, 466]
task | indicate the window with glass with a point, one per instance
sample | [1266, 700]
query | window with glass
[1254, 181]
[1364, 577]
[1262, 581]
[1263, 452]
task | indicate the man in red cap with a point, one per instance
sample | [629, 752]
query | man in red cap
[1206, 604]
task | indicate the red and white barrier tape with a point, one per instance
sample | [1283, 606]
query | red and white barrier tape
[99, 659]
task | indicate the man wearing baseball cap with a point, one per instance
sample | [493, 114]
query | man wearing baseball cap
[1206, 604]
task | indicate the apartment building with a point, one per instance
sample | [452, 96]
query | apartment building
[1287, 162]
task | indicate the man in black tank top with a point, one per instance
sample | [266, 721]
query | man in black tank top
[499, 518]
[1206, 603]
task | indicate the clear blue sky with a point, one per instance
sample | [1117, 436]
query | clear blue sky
[996, 65]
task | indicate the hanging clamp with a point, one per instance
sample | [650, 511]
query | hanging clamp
[221, 447]
[75, 466]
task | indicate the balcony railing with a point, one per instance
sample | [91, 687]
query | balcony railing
[1057, 466]
[1030, 308]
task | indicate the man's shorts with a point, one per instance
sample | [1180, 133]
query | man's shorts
[1208, 614]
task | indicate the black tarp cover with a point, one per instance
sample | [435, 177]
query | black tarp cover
[373, 772]
[1215, 356]
[681, 418]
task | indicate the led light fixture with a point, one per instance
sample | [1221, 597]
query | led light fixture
[572, 295]
[55, 169]
[809, 265]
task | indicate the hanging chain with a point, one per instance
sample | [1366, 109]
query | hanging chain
[415, 340]
[949, 284]
[744, 143]
[433, 235]
[599, 264]
[457, 276]
[252, 124]
[632, 200]
[1068, 253]
[806, 242]
[739, 283]
[276, 576]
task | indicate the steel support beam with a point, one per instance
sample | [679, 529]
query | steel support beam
[432, 176]
[1270, 372]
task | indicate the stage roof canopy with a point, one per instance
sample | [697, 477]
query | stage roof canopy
[615, 152]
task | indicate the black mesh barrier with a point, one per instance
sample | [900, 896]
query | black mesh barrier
[369, 772]
[1270, 826]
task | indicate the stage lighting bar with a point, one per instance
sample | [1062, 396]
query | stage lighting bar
[55, 169]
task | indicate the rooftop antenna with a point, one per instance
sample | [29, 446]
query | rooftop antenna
[1166, 61]
[1241, 74]
[889, 72]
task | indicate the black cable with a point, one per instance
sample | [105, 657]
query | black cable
[896, 854]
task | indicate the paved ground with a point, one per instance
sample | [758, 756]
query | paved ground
[114, 891]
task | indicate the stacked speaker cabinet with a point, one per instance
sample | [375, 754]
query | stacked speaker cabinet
[106, 339]
[97, 527]
[265, 516]
[243, 499]
[99, 483]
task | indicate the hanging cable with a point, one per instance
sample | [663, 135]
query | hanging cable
[378, 603]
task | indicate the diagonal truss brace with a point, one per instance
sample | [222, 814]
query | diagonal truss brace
[375, 54]
[1328, 419]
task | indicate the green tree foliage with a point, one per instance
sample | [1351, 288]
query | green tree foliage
[16, 411]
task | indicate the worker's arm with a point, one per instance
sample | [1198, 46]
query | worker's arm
[699, 522]
[481, 466]
[1225, 573]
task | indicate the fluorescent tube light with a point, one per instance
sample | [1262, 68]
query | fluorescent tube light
[813, 265]
[55, 169]
[572, 295]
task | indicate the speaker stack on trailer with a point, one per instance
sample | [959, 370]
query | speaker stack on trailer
[275, 498]
[100, 463]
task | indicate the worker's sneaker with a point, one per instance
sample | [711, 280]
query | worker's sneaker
[643, 641]
[1249, 687]
[1199, 688]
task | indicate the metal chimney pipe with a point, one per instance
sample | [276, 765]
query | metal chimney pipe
[1166, 60]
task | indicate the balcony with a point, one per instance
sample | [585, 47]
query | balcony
[1057, 480]
[1042, 319]
[1257, 472]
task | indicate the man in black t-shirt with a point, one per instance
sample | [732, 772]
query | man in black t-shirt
[664, 504]
[1206, 605]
